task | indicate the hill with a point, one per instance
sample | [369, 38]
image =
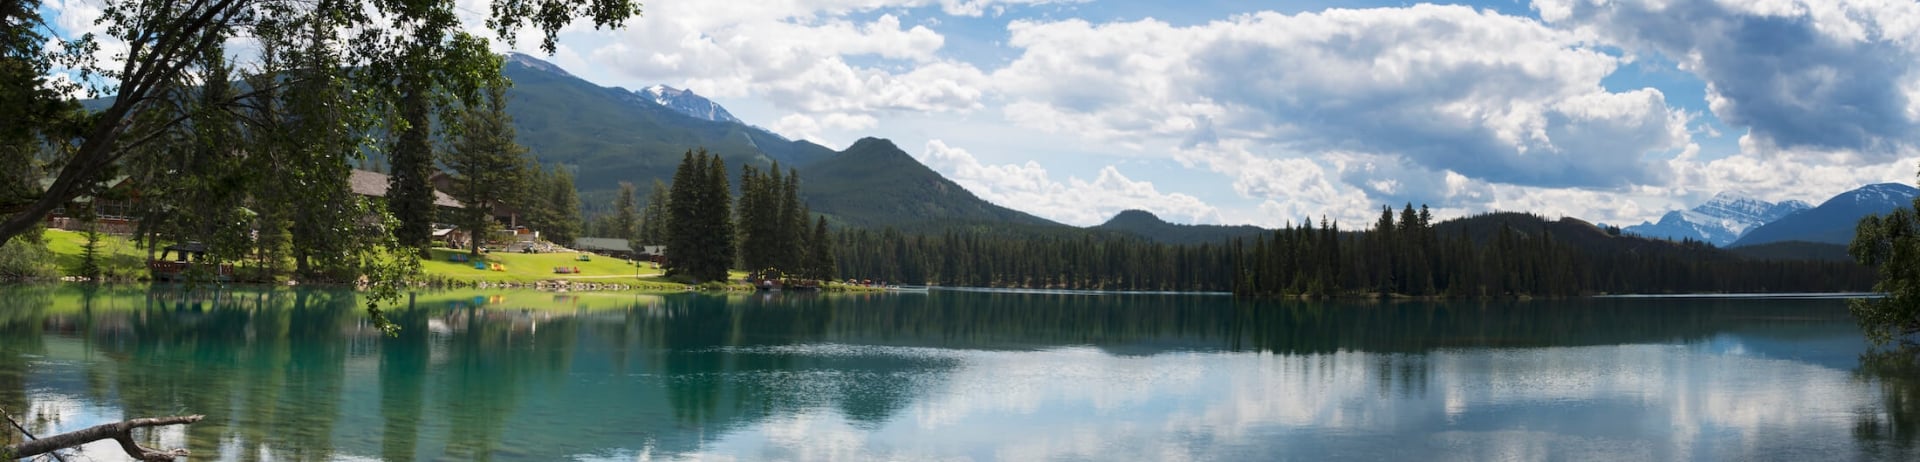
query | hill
[1794, 250]
[875, 184]
[1834, 220]
[1146, 225]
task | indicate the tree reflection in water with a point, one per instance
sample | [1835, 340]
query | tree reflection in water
[296, 374]
[1892, 431]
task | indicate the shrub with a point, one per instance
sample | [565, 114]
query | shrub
[26, 257]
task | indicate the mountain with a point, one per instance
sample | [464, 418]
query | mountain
[688, 103]
[611, 135]
[1144, 224]
[875, 184]
[1834, 220]
[1720, 221]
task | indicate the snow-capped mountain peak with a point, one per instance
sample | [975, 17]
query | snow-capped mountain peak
[1881, 193]
[686, 102]
[1720, 220]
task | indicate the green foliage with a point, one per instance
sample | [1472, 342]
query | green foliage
[90, 255]
[409, 193]
[554, 208]
[626, 215]
[489, 169]
[700, 237]
[654, 224]
[772, 221]
[26, 258]
[820, 263]
[1495, 255]
[1890, 244]
[175, 39]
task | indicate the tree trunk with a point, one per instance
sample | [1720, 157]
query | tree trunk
[119, 431]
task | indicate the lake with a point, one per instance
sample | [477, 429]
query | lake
[300, 375]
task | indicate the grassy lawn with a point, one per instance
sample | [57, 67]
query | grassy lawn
[118, 256]
[526, 268]
[121, 257]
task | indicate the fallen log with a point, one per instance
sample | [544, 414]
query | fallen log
[121, 432]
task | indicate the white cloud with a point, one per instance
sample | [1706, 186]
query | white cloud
[1830, 78]
[1291, 189]
[802, 126]
[798, 56]
[1029, 187]
[1499, 98]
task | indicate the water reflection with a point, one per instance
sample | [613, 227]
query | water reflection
[286, 374]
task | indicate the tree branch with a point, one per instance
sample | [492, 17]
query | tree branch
[121, 432]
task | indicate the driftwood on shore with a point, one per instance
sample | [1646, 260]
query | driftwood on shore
[121, 432]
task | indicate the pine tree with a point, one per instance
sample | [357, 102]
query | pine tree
[563, 202]
[409, 193]
[820, 258]
[791, 221]
[653, 224]
[90, 251]
[700, 238]
[626, 214]
[489, 167]
[756, 240]
[719, 241]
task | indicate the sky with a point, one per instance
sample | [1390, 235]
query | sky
[1268, 113]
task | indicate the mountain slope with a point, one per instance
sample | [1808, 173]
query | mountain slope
[1720, 221]
[1834, 220]
[875, 184]
[1146, 225]
[613, 135]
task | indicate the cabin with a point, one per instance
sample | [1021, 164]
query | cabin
[369, 183]
[112, 210]
[509, 216]
[617, 248]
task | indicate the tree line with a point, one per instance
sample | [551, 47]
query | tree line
[1495, 255]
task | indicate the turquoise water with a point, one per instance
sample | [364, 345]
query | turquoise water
[297, 375]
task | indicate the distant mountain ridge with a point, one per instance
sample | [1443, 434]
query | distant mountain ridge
[610, 135]
[1147, 225]
[688, 103]
[1833, 221]
[1719, 221]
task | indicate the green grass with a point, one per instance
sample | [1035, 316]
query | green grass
[122, 259]
[528, 268]
[119, 258]
[519, 267]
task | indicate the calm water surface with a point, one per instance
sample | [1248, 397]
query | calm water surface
[298, 375]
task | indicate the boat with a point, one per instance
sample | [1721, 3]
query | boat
[177, 262]
[910, 289]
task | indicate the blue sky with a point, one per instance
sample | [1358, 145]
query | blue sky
[1210, 111]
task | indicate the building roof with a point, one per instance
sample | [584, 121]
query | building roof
[371, 183]
[601, 243]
